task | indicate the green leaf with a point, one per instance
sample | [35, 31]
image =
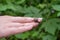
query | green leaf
[41, 5]
[49, 37]
[23, 35]
[41, 35]
[9, 1]
[20, 2]
[56, 7]
[2, 39]
[58, 14]
[35, 34]
[19, 9]
[15, 8]
[11, 6]
[2, 7]
[33, 12]
[51, 25]
[58, 27]
[29, 15]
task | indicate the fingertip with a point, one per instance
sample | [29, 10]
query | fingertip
[40, 19]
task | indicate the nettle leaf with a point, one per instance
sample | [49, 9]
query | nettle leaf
[41, 35]
[41, 5]
[2, 7]
[20, 1]
[58, 14]
[10, 1]
[19, 9]
[51, 25]
[10, 6]
[49, 37]
[2, 39]
[35, 34]
[33, 12]
[56, 7]
[32, 9]
[15, 8]
[29, 15]
[10, 13]
[23, 35]
[5, 7]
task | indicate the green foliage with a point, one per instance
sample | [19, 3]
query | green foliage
[56, 7]
[23, 35]
[58, 14]
[3, 39]
[49, 10]
[51, 25]
[49, 37]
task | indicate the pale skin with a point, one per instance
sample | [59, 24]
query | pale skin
[10, 25]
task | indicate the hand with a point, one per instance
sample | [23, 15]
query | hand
[10, 25]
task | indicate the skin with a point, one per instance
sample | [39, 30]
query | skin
[10, 25]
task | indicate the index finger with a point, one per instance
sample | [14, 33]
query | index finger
[24, 19]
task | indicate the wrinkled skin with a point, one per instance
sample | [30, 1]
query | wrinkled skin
[10, 25]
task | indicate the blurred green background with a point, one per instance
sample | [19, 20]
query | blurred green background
[49, 10]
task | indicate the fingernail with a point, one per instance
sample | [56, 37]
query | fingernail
[40, 19]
